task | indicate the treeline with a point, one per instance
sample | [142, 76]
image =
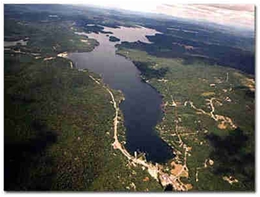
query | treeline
[169, 46]
[148, 72]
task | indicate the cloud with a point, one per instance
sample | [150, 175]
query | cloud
[241, 15]
[235, 7]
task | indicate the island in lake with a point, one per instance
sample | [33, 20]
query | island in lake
[113, 39]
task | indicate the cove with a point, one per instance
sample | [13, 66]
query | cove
[141, 107]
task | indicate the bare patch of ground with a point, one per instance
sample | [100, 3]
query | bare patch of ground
[48, 58]
[85, 41]
[176, 169]
[250, 83]
[64, 54]
[230, 179]
[223, 121]
[208, 94]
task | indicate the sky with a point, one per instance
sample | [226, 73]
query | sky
[240, 15]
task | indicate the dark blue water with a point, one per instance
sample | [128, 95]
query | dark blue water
[141, 107]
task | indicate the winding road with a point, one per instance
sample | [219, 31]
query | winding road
[153, 169]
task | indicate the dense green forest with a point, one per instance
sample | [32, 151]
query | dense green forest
[58, 131]
[58, 123]
[184, 39]
[48, 38]
[169, 46]
[231, 149]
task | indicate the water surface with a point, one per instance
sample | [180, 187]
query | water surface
[13, 43]
[141, 107]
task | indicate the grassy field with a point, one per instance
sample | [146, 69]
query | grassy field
[220, 147]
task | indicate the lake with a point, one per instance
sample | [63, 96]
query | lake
[13, 43]
[141, 107]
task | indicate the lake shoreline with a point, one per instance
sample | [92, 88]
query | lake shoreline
[141, 119]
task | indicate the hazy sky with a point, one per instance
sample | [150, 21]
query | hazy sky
[241, 15]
